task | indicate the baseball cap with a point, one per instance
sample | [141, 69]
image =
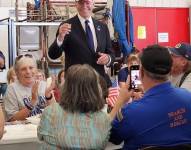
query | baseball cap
[156, 59]
[182, 49]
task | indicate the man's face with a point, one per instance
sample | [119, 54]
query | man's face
[178, 65]
[26, 72]
[39, 76]
[132, 63]
[2, 63]
[84, 7]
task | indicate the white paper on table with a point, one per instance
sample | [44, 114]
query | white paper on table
[19, 133]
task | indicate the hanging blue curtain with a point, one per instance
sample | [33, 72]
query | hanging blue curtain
[119, 22]
[37, 4]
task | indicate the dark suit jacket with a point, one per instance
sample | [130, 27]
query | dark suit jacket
[76, 48]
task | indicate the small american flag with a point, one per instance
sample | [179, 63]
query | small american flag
[113, 93]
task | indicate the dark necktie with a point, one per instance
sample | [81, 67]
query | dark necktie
[89, 35]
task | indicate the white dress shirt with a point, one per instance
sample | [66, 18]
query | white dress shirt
[82, 20]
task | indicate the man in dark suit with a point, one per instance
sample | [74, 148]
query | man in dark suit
[81, 46]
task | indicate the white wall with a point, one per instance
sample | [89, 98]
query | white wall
[11, 3]
[144, 3]
[4, 11]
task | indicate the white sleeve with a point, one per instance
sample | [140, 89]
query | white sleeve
[187, 83]
[108, 64]
[10, 102]
[59, 43]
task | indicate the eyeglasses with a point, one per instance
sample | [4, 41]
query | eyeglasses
[21, 56]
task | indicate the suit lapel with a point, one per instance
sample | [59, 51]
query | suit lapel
[98, 33]
[80, 29]
[82, 33]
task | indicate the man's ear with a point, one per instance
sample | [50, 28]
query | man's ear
[184, 61]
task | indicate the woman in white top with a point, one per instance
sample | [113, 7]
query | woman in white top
[27, 96]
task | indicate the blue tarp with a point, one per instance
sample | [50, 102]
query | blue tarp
[119, 22]
[37, 4]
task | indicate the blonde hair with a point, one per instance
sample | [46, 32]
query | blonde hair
[10, 75]
[133, 57]
[39, 71]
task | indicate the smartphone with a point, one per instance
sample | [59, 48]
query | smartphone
[134, 77]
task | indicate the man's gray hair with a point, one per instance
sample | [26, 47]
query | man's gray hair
[155, 76]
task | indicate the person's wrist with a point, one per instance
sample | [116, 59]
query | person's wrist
[121, 101]
[29, 106]
[60, 38]
[48, 97]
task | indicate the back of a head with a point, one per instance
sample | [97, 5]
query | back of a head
[157, 61]
[183, 50]
[81, 91]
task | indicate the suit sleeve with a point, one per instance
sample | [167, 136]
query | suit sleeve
[109, 50]
[54, 50]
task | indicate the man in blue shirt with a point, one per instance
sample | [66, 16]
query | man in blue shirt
[163, 116]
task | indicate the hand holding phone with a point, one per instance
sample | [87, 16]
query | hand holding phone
[134, 77]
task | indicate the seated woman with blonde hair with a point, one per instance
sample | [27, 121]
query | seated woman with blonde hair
[26, 96]
[11, 75]
[40, 75]
[78, 121]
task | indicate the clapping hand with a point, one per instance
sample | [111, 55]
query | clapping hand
[50, 88]
[35, 92]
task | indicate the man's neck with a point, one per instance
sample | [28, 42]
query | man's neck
[151, 83]
[84, 17]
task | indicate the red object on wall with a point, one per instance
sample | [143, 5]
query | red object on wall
[173, 21]
[144, 17]
[176, 23]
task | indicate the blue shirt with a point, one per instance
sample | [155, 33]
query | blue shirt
[122, 75]
[162, 117]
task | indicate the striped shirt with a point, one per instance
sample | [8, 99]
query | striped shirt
[60, 129]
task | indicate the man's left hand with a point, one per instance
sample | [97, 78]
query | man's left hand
[103, 59]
